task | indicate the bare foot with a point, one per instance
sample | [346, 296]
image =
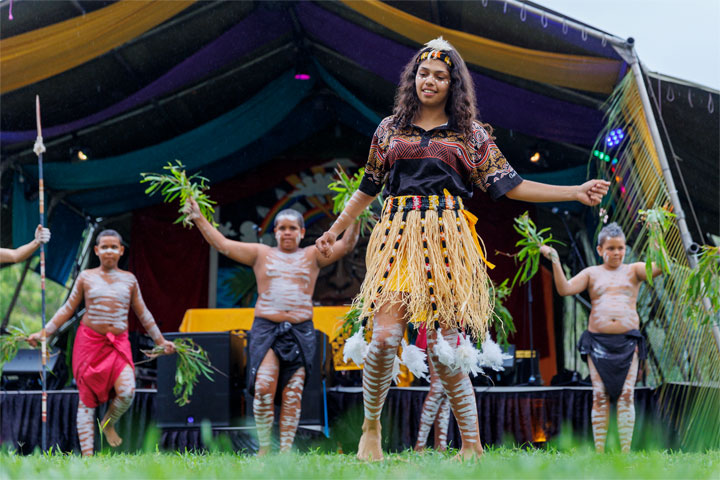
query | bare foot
[111, 435]
[473, 451]
[370, 447]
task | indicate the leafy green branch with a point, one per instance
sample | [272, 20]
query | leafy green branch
[657, 221]
[177, 185]
[10, 344]
[703, 283]
[502, 319]
[345, 186]
[192, 361]
[531, 241]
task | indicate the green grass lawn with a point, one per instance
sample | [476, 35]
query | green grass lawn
[501, 463]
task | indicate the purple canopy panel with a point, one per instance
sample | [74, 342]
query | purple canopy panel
[499, 103]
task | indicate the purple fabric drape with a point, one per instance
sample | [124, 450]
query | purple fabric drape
[255, 30]
[499, 103]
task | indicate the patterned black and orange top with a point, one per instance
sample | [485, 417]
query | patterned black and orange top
[417, 162]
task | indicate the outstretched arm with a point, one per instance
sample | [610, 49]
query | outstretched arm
[342, 247]
[9, 255]
[589, 193]
[575, 285]
[242, 252]
[641, 273]
[147, 320]
[64, 313]
[354, 207]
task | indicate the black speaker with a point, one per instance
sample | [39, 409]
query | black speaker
[313, 401]
[527, 367]
[24, 371]
[219, 401]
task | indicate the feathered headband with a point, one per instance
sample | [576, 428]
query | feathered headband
[436, 49]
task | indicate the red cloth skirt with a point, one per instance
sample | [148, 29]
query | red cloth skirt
[98, 361]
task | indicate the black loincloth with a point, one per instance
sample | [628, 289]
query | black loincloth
[612, 355]
[293, 343]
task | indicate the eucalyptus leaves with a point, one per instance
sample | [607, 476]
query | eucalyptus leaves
[177, 185]
[703, 282]
[531, 241]
[657, 222]
[345, 186]
[10, 343]
[502, 318]
[192, 361]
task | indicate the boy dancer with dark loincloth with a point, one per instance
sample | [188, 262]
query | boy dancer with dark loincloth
[282, 338]
[612, 345]
[102, 360]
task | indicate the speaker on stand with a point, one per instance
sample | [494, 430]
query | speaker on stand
[219, 401]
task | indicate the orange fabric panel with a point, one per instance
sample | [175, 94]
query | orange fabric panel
[326, 319]
[582, 72]
[39, 54]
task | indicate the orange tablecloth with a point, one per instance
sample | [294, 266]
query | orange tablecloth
[326, 319]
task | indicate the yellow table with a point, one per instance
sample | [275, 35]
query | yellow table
[326, 319]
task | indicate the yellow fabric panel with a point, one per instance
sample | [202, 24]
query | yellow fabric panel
[326, 319]
[581, 72]
[39, 54]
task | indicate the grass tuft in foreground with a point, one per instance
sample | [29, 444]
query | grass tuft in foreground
[500, 463]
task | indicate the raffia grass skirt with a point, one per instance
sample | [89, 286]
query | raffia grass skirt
[424, 248]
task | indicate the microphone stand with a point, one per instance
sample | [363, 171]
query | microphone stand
[533, 380]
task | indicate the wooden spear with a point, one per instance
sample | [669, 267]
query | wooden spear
[39, 149]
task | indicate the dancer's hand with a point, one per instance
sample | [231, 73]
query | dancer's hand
[591, 192]
[168, 346]
[42, 235]
[34, 339]
[550, 253]
[325, 243]
[191, 210]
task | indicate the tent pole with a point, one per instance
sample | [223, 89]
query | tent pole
[685, 236]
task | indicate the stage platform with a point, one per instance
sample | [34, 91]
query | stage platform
[508, 415]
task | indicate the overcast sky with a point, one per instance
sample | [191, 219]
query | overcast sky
[680, 38]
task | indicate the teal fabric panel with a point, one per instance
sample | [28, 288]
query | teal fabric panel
[346, 95]
[67, 229]
[25, 213]
[210, 142]
[569, 176]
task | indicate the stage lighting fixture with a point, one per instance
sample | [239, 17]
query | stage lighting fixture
[302, 72]
[535, 157]
[614, 138]
[79, 154]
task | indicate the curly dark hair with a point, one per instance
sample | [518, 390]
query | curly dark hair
[461, 102]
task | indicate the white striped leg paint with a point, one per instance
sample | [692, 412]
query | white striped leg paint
[460, 393]
[377, 373]
[86, 428]
[125, 390]
[600, 414]
[263, 405]
[626, 407]
[431, 406]
[441, 425]
[291, 409]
